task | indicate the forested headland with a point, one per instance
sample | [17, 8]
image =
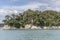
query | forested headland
[46, 18]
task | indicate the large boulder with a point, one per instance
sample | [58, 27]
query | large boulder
[27, 26]
[6, 27]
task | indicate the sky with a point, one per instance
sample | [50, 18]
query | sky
[8, 7]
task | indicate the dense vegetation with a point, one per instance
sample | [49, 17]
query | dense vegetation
[34, 17]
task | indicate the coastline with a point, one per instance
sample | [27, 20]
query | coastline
[32, 28]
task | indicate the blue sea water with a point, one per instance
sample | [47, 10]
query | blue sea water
[29, 34]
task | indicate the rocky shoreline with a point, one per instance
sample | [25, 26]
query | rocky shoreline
[6, 27]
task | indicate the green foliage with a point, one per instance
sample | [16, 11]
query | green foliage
[38, 18]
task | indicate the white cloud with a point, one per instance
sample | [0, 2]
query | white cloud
[55, 5]
[14, 9]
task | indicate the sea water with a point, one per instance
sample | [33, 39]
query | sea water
[29, 34]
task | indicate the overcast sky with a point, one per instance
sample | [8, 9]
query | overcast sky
[14, 6]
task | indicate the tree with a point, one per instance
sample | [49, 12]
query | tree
[34, 17]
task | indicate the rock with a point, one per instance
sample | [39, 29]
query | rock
[27, 26]
[6, 27]
[59, 27]
[45, 27]
[35, 27]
